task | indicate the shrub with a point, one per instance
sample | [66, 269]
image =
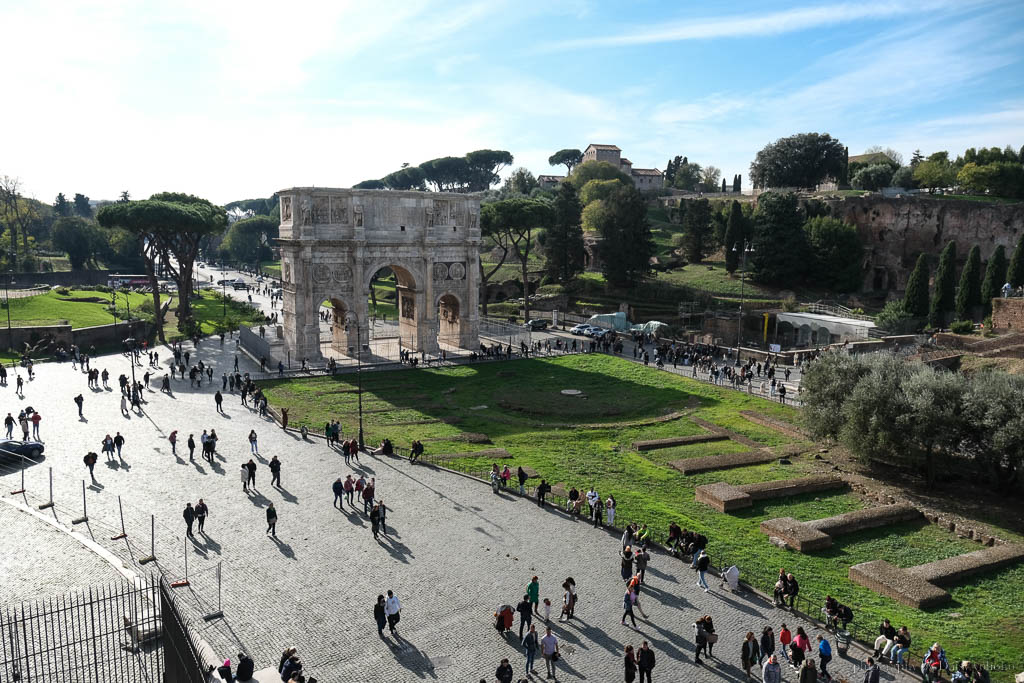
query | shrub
[63, 291]
[962, 326]
[102, 288]
[986, 326]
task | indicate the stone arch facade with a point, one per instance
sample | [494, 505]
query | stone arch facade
[334, 240]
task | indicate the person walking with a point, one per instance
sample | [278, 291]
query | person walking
[251, 468]
[368, 492]
[36, 419]
[393, 609]
[700, 638]
[272, 520]
[871, 672]
[703, 561]
[275, 472]
[629, 662]
[549, 651]
[191, 447]
[522, 476]
[530, 644]
[338, 489]
[627, 608]
[785, 638]
[824, 656]
[79, 401]
[375, 521]
[379, 616]
[124, 405]
[525, 609]
[218, 398]
[90, 462]
[253, 446]
[533, 594]
[118, 443]
[767, 643]
[350, 488]
[749, 653]
[808, 674]
[771, 672]
[645, 661]
[202, 511]
[189, 514]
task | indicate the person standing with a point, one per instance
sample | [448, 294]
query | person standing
[349, 487]
[338, 489]
[36, 418]
[629, 661]
[749, 653]
[9, 423]
[533, 594]
[871, 673]
[173, 440]
[530, 644]
[251, 468]
[703, 561]
[218, 398]
[253, 446]
[522, 476]
[201, 513]
[771, 672]
[645, 661]
[90, 462]
[824, 656]
[368, 492]
[525, 609]
[191, 447]
[393, 609]
[549, 651]
[124, 405]
[767, 643]
[504, 672]
[808, 674]
[542, 490]
[79, 401]
[700, 638]
[375, 521]
[275, 472]
[272, 520]
[189, 514]
[379, 616]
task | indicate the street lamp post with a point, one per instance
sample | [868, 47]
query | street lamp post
[359, 382]
[7, 297]
[747, 248]
[131, 338]
[224, 297]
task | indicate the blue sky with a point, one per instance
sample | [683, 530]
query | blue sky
[231, 100]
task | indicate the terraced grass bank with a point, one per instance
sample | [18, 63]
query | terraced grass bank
[587, 440]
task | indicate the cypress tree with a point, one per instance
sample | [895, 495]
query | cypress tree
[723, 186]
[968, 294]
[1016, 274]
[733, 237]
[915, 299]
[945, 287]
[995, 277]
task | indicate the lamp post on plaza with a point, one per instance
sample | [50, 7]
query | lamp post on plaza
[359, 381]
[7, 296]
[130, 340]
[747, 248]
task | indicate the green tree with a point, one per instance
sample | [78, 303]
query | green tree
[594, 216]
[570, 158]
[687, 176]
[82, 207]
[734, 237]
[597, 170]
[446, 174]
[995, 277]
[248, 240]
[125, 197]
[933, 421]
[1015, 275]
[520, 182]
[780, 244]
[697, 227]
[836, 254]
[872, 426]
[824, 388]
[518, 219]
[873, 177]
[968, 293]
[598, 189]
[915, 298]
[61, 206]
[566, 256]
[626, 246]
[709, 176]
[483, 168]
[670, 170]
[935, 171]
[943, 297]
[904, 177]
[408, 178]
[71, 234]
[737, 183]
[370, 185]
[802, 160]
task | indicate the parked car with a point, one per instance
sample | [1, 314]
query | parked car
[580, 329]
[259, 278]
[537, 324]
[225, 281]
[239, 284]
[29, 449]
[593, 331]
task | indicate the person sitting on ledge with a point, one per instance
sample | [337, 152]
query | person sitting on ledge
[416, 451]
[830, 611]
[385, 448]
[675, 538]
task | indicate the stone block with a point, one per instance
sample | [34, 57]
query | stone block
[953, 569]
[867, 518]
[653, 444]
[797, 535]
[899, 584]
[721, 496]
[721, 462]
[791, 487]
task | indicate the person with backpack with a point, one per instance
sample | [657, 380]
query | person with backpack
[90, 462]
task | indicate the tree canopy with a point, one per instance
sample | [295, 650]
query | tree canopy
[597, 170]
[72, 234]
[518, 219]
[598, 189]
[697, 227]
[570, 158]
[945, 287]
[563, 245]
[915, 298]
[836, 253]
[802, 161]
[995, 277]
[626, 246]
[248, 240]
[780, 244]
[873, 177]
[968, 293]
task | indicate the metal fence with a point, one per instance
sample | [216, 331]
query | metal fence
[122, 631]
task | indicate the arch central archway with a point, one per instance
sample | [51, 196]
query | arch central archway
[449, 321]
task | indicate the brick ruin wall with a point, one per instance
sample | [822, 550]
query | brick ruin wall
[1008, 315]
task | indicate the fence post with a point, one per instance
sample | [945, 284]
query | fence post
[219, 613]
[22, 489]
[49, 503]
[123, 534]
[152, 542]
[85, 511]
[180, 583]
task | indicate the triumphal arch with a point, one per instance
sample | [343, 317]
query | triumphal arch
[333, 242]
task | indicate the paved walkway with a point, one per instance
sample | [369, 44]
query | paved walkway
[453, 553]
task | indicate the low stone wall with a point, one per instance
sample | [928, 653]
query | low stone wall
[721, 462]
[868, 518]
[64, 335]
[725, 497]
[495, 453]
[1008, 314]
[780, 426]
[953, 569]
[900, 585]
[796, 534]
[653, 444]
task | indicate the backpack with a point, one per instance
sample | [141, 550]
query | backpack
[846, 612]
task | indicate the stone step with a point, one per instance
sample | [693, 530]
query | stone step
[797, 535]
[899, 584]
[953, 569]
[867, 518]
[721, 462]
[653, 444]
[725, 497]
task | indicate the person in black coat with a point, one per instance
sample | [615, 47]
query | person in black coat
[272, 520]
[645, 661]
[189, 515]
[379, 616]
[504, 672]
[525, 609]
[767, 644]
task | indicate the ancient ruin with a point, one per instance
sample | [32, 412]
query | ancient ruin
[332, 243]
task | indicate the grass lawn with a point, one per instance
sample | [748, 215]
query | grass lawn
[53, 308]
[583, 441]
[712, 279]
[209, 310]
[272, 268]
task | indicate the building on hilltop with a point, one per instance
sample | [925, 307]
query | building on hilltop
[643, 178]
[549, 182]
